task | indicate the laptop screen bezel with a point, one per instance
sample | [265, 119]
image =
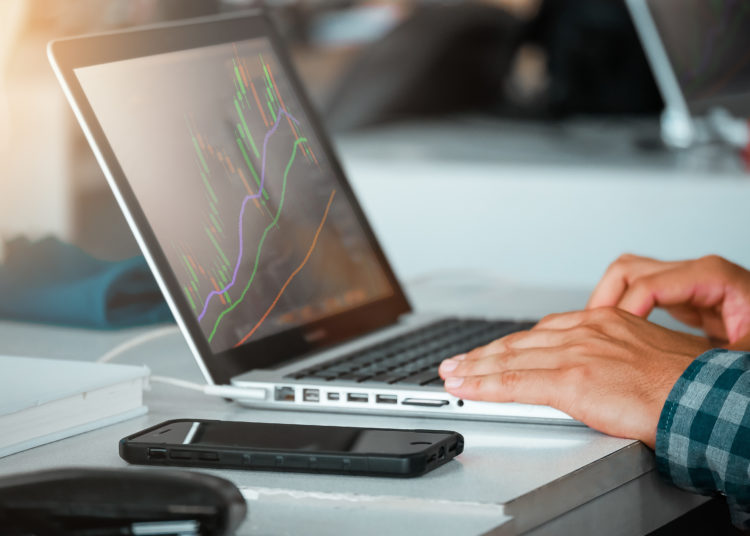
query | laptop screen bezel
[67, 55]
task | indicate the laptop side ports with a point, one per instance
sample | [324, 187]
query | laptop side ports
[284, 394]
[386, 399]
[311, 395]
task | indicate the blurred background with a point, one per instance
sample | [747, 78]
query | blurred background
[522, 137]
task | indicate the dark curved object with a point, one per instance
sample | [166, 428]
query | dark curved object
[452, 59]
[83, 501]
[596, 63]
[443, 59]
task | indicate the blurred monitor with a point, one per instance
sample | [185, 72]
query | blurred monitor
[699, 51]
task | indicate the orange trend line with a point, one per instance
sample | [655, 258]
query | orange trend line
[229, 163]
[294, 273]
[312, 153]
[223, 164]
[239, 64]
[281, 100]
[257, 101]
[244, 181]
[275, 87]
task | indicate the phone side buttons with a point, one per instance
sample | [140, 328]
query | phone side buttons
[293, 461]
[336, 463]
[286, 461]
[259, 460]
[181, 454]
[317, 463]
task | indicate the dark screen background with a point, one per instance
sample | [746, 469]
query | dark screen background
[238, 190]
[708, 43]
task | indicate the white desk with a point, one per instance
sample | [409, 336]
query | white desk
[512, 479]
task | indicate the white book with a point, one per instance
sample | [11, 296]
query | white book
[44, 400]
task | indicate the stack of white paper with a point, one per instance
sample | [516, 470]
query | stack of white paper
[43, 400]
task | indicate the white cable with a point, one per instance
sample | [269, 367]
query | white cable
[177, 382]
[223, 391]
[136, 341]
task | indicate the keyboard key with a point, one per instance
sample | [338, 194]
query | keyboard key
[421, 378]
[353, 376]
[324, 375]
[413, 355]
[386, 377]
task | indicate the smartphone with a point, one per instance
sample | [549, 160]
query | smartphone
[292, 447]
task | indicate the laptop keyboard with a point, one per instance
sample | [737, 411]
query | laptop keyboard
[412, 358]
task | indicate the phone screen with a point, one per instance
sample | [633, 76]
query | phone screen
[288, 437]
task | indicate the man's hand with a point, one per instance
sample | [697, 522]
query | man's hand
[604, 367]
[709, 293]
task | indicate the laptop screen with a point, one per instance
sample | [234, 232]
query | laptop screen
[237, 189]
[709, 48]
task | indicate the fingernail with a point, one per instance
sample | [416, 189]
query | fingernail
[454, 381]
[460, 357]
[449, 365]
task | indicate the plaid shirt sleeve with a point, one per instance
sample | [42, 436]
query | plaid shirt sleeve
[703, 436]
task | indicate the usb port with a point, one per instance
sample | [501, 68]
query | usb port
[333, 396]
[386, 399]
[285, 394]
[357, 397]
[311, 395]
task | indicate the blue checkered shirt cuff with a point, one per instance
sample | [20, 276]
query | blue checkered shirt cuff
[703, 437]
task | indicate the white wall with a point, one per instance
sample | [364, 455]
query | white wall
[546, 225]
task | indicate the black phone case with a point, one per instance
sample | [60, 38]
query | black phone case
[362, 464]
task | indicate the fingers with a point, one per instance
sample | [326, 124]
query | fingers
[528, 352]
[492, 364]
[620, 275]
[562, 320]
[535, 337]
[519, 339]
[685, 284]
[524, 386]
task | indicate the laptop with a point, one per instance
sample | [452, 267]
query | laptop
[698, 54]
[233, 192]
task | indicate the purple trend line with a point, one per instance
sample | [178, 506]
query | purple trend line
[245, 201]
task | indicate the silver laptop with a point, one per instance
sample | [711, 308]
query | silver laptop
[237, 199]
[698, 52]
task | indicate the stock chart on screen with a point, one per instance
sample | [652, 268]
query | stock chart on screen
[237, 189]
[708, 44]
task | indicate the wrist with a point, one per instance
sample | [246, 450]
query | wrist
[742, 345]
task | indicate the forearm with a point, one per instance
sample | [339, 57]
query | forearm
[703, 437]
